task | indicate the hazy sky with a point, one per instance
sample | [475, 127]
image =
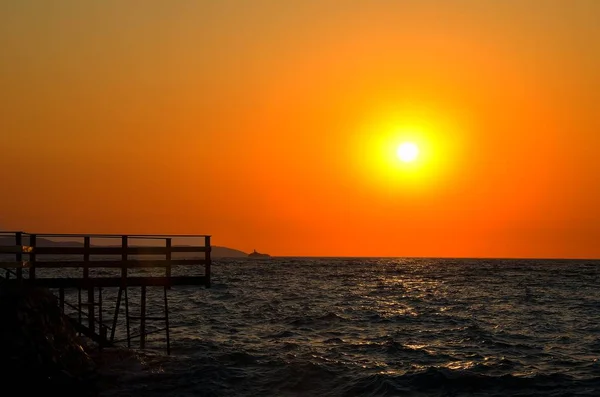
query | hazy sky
[273, 124]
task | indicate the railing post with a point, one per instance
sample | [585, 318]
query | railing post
[207, 258]
[168, 257]
[124, 249]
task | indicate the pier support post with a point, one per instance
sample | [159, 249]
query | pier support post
[127, 319]
[115, 318]
[19, 256]
[124, 246]
[100, 325]
[90, 290]
[143, 318]
[167, 322]
[79, 307]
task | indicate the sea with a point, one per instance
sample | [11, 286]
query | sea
[372, 327]
[330, 327]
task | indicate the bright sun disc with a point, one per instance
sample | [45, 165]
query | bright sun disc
[408, 152]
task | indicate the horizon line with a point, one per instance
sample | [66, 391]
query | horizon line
[436, 257]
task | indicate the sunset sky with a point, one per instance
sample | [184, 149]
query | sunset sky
[274, 124]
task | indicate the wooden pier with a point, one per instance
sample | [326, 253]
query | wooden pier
[25, 256]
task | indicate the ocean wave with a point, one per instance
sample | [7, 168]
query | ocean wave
[458, 382]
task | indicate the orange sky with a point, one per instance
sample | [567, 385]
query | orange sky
[269, 124]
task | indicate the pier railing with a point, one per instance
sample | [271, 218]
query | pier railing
[24, 253]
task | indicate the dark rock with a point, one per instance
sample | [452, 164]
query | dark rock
[39, 350]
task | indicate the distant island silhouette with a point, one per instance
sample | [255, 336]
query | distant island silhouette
[255, 254]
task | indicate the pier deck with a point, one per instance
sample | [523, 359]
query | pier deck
[24, 255]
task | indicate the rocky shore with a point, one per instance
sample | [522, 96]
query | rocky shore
[40, 350]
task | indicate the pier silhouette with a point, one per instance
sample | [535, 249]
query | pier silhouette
[31, 257]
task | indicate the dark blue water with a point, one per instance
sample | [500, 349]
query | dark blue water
[376, 327]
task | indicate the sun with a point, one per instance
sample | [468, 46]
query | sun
[408, 152]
